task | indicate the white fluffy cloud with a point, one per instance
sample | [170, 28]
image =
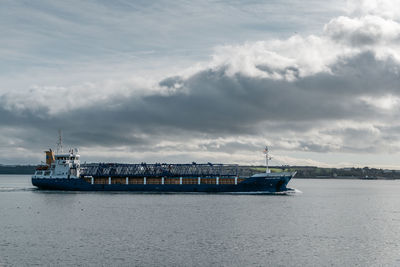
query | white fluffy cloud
[388, 9]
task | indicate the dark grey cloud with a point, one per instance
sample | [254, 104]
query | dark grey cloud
[213, 104]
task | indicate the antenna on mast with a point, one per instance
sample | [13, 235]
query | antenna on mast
[59, 144]
[267, 158]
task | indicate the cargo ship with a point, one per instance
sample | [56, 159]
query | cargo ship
[63, 171]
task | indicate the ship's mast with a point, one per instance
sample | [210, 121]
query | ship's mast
[59, 144]
[267, 158]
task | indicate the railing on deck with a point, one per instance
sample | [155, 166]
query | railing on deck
[160, 170]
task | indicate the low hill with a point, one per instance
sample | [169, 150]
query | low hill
[17, 169]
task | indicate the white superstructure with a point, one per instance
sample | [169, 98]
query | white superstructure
[64, 165]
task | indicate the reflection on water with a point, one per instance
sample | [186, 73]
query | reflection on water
[332, 222]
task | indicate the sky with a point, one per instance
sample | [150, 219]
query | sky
[204, 81]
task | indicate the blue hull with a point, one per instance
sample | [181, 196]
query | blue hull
[271, 185]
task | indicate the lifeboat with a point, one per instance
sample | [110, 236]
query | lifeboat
[42, 167]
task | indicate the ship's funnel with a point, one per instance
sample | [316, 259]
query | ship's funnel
[49, 157]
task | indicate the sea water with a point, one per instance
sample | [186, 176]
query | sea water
[330, 223]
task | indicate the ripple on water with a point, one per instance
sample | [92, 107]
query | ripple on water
[320, 223]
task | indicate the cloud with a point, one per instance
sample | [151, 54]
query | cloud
[387, 9]
[335, 92]
[364, 31]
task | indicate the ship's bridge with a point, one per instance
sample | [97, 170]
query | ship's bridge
[69, 157]
[67, 165]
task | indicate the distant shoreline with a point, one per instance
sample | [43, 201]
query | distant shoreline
[303, 172]
[17, 169]
[347, 178]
